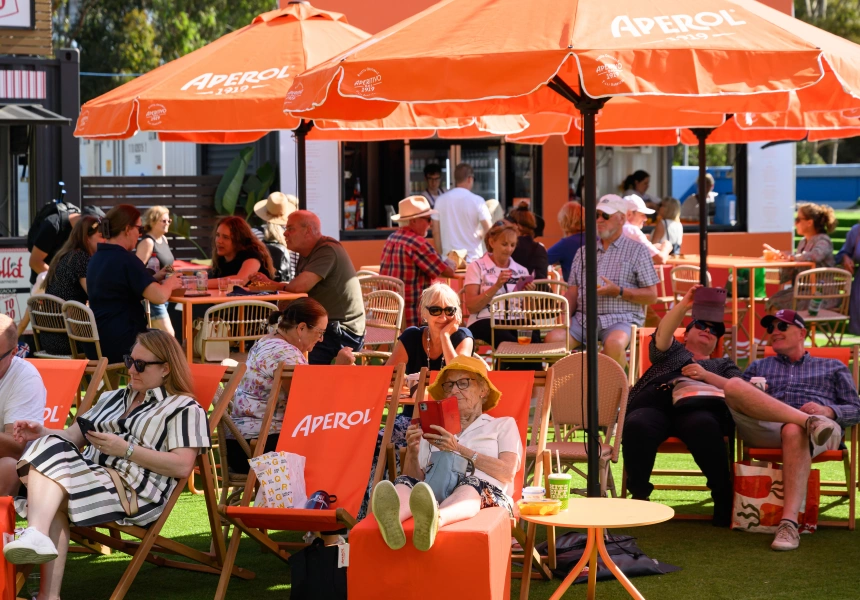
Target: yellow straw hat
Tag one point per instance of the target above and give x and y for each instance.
(473, 365)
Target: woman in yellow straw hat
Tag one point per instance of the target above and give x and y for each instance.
(493, 445)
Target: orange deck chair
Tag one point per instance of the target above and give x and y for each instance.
(332, 418)
(849, 357)
(152, 546)
(62, 379)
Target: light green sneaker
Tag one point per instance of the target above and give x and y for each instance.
(385, 505)
(425, 513)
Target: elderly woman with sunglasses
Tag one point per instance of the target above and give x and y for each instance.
(492, 444)
(119, 462)
(652, 417)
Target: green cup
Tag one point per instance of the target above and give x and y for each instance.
(559, 488)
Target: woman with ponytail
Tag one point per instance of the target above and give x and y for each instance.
(299, 327)
(118, 282)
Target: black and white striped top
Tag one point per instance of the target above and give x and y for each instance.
(162, 422)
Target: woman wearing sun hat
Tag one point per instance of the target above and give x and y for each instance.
(274, 211)
(493, 445)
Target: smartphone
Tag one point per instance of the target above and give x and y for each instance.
(522, 282)
(85, 425)
(444, 413)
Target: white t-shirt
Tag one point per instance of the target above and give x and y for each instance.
(637, 235)
(484, 273)
(460, 213)
(486, 436)
(22, 393)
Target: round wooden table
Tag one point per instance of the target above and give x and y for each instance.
(595, 514)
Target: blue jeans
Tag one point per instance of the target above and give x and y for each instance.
(335, 338)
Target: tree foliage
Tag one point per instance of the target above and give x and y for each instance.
(136, 36)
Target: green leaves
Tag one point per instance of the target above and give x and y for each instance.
(257, 187)
(230, 186)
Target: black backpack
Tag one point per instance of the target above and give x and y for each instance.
(63, 209)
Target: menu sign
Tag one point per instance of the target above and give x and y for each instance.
(14, 281)
(17, 14)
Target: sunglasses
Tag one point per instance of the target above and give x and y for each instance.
(603, 215)
(435, 311)
(782, 326)
(8, 352)
(138, 364)
(702, 326)
(462, 384)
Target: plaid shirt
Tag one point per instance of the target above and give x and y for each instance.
(824, 381)
(412, 259)
(625, 263)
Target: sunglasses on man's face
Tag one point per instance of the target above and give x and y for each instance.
(702, 326)
(603, 215)
(435, 311)
(138, 364)
(782, 326)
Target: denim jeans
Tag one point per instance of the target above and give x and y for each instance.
(335, 338)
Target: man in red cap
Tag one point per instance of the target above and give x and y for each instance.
(809, 401)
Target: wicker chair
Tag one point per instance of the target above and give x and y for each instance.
(551, 286)
(366, 273)
(532, 311)
(828, 284)
(81, 327)
(384, 315)
(376, 283)
(46, 316)
(240, 321)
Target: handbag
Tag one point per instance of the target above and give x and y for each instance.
(759, 499)
(446, 471)
(690, 394)
(216, 351)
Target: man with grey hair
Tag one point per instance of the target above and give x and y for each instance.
(22, 398)
(325, 273)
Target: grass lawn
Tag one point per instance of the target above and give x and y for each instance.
(717, 563)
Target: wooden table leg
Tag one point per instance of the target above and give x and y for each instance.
(589, 555)
(529, 549)
(752, 314)
(613, 568)
(187, 322)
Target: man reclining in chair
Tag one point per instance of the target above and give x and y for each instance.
(808, 402)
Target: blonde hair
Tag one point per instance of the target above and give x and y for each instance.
(570, 218)
(671, 209)
(273, 233)
(152, 216)
(165, 347)
(498, 230)
(440, 294)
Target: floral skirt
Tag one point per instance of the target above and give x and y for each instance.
(490, 494)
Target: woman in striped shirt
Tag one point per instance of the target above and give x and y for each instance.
(119, 462)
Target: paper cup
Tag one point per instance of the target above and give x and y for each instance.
(559, 488)
(759, 382)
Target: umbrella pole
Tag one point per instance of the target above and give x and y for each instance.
(702, 135)
(301, 159)
(589, 107)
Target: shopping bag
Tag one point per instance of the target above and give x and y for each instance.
(216, 351)
(282, 480)
(759, 499)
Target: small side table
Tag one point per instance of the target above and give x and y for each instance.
(595, 514)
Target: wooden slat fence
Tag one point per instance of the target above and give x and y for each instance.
(192, 197)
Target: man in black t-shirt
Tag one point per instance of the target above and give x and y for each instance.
(53, 233)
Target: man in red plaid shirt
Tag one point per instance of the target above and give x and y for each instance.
(409, 256)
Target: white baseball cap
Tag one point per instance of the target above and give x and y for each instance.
(635, 203)
(611, 204)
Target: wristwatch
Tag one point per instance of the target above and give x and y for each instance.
(621, 293)
(129, 451)
(474, 456)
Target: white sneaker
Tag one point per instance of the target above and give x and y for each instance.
(31, 548)
(786, 538)
(820, 429)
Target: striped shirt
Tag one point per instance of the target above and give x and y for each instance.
(625, 263)
(825, 381)
(162, 422)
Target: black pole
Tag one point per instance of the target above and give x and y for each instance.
(702, 136)
(589, 108)
(301, 160)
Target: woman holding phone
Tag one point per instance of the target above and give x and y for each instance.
(493, 274)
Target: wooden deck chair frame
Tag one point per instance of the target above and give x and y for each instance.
(384, 320)
(81, 327)
(46, 316)
(850, 357)
(674, 445)
(828, 284)
(152, 544)
(529, 311)
(247, 321)
(344, 519)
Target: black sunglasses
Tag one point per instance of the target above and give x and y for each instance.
(139, 365)
(435, 311)
(603, 215)
(703, 326)
(8, 352)
(782, 326)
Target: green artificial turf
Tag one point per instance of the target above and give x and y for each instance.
(717, 563)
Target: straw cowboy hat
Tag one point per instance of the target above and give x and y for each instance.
(276, 208)
(473, 365)
(413, 207)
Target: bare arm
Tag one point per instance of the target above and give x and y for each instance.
(176, 463)
(673, 319)
(28, 431)
(37, 260)
(302, 283)
(572, 295)
(659, 232)
(486, 225)
(398, 355)
(411, 468)
(159, 293)
(83, 282)
(144, 249)
(9, 447)
(437, 235)
(644, 296)
(503, 468)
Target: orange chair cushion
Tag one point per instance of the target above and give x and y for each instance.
(470, 559)
(775, 455)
